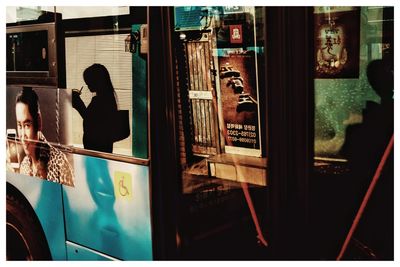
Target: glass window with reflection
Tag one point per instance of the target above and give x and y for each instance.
(100, 71)
(219, 59)
(353, 128)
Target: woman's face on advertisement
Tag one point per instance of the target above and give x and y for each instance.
(26, 130)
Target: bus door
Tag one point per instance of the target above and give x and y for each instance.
(249, 200)
(353, 127)
(216, 58)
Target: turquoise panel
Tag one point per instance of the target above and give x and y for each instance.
(45, 199)
(108, 210)
(79, 253)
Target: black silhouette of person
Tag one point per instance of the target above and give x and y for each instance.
(99, 114)
(364, 147)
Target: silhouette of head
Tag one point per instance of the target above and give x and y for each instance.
(380, 77)
(46, 17)
(98, 79)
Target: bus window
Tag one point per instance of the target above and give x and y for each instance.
(24, 14)
(106, 86)
(222, 149)
(96, 68)
(353, 119)
(106, 54)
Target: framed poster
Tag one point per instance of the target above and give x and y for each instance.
(337, 42)
(239, 101)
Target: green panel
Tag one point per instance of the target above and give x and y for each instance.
(139, 102)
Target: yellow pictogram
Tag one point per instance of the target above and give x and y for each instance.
(123, 185)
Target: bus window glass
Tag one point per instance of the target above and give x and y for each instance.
(29, 13)
(27, 51)
(109, 51)
(72, 12)
(100, 72)
(222, 142)
(341, 85)
(353, 126)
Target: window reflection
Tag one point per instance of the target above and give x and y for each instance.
(339, 100)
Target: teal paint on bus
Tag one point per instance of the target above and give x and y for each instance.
(108, 210)
(45, 199)
(76, 252)
(139, 102)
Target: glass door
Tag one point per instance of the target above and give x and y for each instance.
(222, 165)
(353, 73)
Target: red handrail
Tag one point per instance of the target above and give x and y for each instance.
(366, 198)
(249, 201)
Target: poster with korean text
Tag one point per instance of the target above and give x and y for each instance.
(337, 42)
(238, 81)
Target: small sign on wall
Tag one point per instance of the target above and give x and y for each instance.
(236, 35)
(123, 185)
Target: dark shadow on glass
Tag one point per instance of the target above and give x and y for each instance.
(103, 124)
(364, 146)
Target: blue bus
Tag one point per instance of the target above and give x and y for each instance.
(198, 133)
